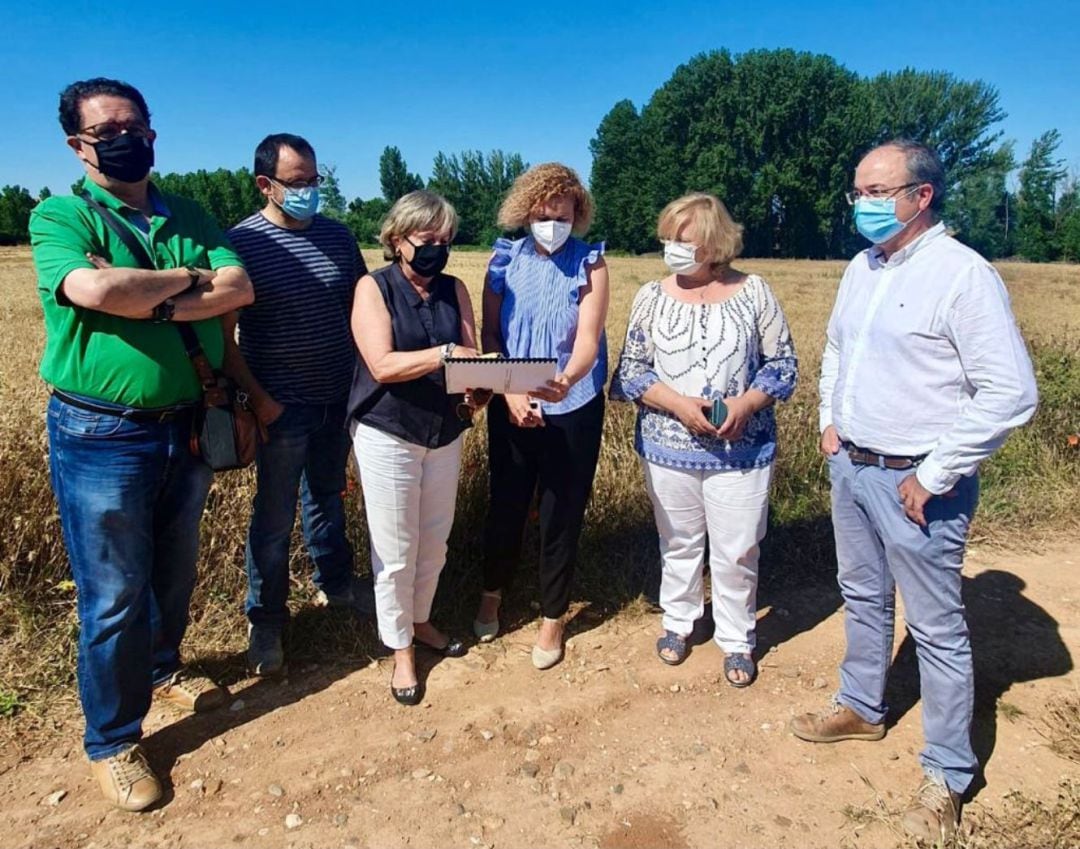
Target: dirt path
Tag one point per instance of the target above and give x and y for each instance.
(610, 749)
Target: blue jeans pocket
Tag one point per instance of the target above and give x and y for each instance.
(90, 425)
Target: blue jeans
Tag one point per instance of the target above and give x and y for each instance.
(307, 451)
(878, 551)
(130, 496)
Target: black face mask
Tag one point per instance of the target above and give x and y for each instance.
(429, 260)
(126, 158)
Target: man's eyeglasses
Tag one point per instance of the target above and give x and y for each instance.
(109, 130)
(877, 194)
(313, 183)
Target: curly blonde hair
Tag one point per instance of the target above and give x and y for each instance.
(717, 233)
(536, 187)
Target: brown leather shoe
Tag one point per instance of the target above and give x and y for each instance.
(191, 692)
(934, 814)
(126, 779)
(837, 722)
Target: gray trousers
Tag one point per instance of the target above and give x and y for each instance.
(878, 550)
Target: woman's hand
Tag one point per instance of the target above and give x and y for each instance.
(555, 390)
(691, 412)
(463, 352)
(477, 399)
(522, 412)
(740, 411)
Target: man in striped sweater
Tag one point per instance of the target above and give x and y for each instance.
(295, 358)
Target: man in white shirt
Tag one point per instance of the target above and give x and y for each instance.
(924, 375)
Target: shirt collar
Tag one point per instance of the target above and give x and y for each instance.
(111, 201)
(905, 253)
(411, 295)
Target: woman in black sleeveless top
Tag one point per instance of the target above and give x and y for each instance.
(407, 319)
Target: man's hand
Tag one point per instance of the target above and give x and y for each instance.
(830, 441)
(914, 496)
(267, 410)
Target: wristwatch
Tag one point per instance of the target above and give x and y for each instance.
(448, 350)
(164, 311)
(195, 277)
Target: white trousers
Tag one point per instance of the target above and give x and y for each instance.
(729, 508)
(409, 494)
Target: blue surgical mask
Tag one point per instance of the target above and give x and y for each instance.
(300, 204)
(876, 219)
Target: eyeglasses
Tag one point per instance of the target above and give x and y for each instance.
(313, 183)
(109, 130)
(878, 194)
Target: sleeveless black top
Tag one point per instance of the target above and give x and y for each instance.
(418, 411)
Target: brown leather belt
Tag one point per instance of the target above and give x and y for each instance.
(862, 457)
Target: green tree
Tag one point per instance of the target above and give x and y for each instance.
(331, 200)
(475, 184)
(45, 192)
(777, 135)
(394, 177)
(1040, 174)
(954, 117)
(1068, 221)
(977, 207)
(364, 218)
(623, 208)
(16, 203)
(229, 196)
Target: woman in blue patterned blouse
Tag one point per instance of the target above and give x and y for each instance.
(545, 295)
(706, 332)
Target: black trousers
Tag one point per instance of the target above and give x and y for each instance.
(559, 458)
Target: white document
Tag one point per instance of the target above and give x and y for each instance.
(513, 375)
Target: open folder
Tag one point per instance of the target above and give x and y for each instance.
(514, 375)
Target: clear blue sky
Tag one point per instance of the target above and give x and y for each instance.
(531, 77)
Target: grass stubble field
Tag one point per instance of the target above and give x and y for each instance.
(1029, 499)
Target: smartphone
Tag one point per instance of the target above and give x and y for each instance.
(719, 412)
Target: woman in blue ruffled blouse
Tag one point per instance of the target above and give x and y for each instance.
(706, 332)
(545, 295)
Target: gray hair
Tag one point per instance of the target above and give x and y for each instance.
(924, 166)
(419, 210)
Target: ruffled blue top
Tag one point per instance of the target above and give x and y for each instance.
(540, 302)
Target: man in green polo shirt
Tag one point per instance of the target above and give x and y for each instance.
(129, 490)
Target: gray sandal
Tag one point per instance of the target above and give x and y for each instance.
(740, 663)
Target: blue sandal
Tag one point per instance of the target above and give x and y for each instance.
(740, 663)
(674, 643)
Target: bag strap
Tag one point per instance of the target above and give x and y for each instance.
(192, 347)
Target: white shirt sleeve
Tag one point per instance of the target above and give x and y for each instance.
(996, 365)
(830, 362)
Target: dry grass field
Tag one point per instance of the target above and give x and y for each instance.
(1028, 501)
(1029, 490)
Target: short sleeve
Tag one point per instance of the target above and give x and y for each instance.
(497, 265)
(591, 258)
(60, 240)
(219, 252)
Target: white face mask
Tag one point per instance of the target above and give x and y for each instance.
(679, 257)
(550, 235)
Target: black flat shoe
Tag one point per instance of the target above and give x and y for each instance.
(407, 695)
(453, 648)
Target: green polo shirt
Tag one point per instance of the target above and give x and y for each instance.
(126, 361)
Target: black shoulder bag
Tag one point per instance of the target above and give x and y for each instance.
(225, 431)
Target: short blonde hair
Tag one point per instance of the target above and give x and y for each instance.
(416, 211)
(536, 187)
(716, 232)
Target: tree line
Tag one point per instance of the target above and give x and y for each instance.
(775, 133)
